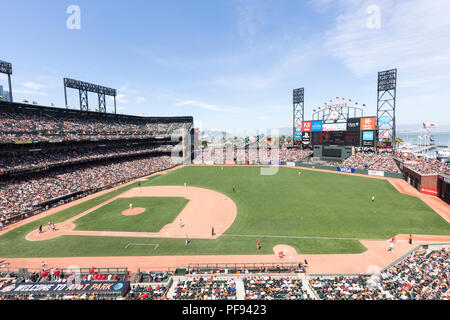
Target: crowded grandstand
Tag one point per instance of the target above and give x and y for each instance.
(49, 156)
(423, 274)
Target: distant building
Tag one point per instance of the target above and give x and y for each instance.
(4, 95)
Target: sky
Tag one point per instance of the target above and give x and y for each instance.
(233, 64)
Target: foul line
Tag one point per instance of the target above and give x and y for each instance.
(142, 244)
(301, 237)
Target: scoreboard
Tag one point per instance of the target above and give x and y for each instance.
(356, 132)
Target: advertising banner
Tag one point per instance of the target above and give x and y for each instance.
(291, 164)
(367, 124)
(368, 143)
(431, 191)
(385, 133)
(384, 120)
(306, 138)
(367, 135)
(316, 126)
(276, 163)
(306, 126)
(376, 173)
(297, 136)
(353, 125)
(119, 287)
(334, 126)
(343, 169)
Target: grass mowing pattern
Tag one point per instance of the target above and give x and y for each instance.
(314, 204)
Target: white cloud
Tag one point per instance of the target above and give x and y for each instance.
(249, 17)
(292, 64)
(120, 98)
(413, 37)
(208, 106)
(140, 99)
(30, 92)
(32, 85)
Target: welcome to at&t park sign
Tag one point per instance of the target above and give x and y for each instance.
(118, 287)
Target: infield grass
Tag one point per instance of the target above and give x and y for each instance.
(158, 212)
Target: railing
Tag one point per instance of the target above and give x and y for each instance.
(243, 268)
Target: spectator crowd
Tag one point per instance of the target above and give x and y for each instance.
(263, 154)
(25, 126)
(46, 158)
(272, 288)
(425, 166)
(372, 161)
(23, 193)
(423, 275)
(345, 288)
(205, 288)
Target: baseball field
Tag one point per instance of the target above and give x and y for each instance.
(314, 212)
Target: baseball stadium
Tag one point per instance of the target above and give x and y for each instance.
(99, 204)
(93, 196)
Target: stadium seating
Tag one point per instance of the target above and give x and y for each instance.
(422, 275)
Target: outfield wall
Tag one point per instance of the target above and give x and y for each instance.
(316, 166)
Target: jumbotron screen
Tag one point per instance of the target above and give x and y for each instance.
(338, 138)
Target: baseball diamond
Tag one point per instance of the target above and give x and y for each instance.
(240, 150)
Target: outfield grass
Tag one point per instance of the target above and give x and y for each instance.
(158, 212)
(277, 209)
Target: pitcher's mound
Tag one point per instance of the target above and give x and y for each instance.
(133, 212)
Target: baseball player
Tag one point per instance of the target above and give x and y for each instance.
(186, 240)
(131, 206)
(181, 223)
(392, 243)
